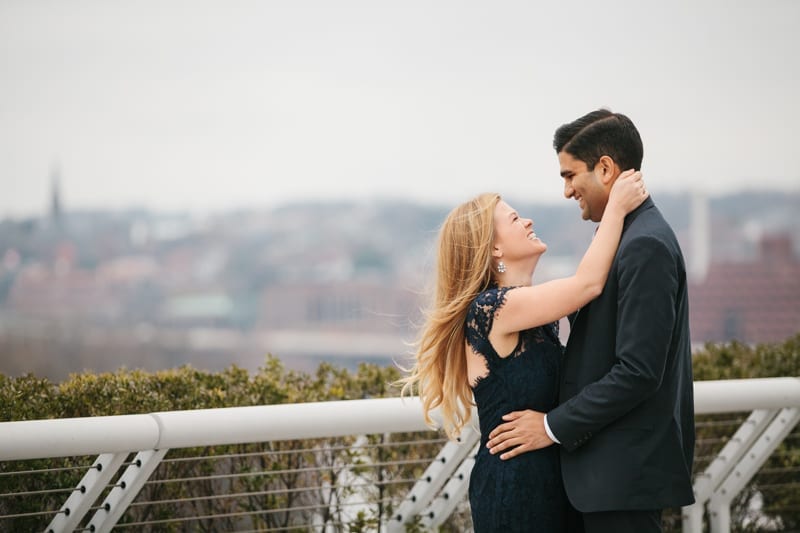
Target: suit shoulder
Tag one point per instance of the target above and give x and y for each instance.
(651, 223)
(650, 236)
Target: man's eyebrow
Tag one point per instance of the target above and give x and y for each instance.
(566, 173)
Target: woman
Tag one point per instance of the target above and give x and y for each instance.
(491, 340)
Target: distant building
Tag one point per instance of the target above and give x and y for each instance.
(700, 256)
(342, 306)
(343, 320)
(208, 307)
(55, 197)
(752, 302)
(61, 291)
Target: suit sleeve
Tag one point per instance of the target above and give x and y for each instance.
(648, 284)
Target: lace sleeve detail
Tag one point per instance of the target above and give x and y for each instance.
(480, 317)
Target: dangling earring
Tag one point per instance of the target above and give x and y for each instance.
(501, 267)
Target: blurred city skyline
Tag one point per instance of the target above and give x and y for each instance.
(100, 290)
(209, 106)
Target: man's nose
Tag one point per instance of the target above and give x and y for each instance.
(568, 190)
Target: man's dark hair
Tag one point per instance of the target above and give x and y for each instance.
(601, 133)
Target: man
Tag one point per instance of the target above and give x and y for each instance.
(625, 420)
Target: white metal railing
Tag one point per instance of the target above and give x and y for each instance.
(774, 404)
(35, 439)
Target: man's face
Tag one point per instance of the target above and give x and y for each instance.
(584, 186)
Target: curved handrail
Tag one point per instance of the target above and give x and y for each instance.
(33, 439)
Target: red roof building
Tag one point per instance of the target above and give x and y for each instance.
(752, 302)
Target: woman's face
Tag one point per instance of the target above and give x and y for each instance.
(514, 236)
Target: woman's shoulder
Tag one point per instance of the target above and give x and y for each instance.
(485, 296)
(492, 296)
(488, 302)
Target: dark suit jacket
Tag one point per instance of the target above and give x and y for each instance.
(626, 413)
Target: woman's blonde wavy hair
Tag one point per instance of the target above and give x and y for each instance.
(463, 270)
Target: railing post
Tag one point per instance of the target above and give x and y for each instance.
(748, 466)
(128, 486)
(452, 454)
(692, 517)
(707, 482)
(451, 494)
(720, 518)
(88, 490)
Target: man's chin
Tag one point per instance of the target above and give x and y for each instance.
(586, 215)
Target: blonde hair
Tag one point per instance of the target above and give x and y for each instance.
(464, 270)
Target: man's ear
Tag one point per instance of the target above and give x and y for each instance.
(607, 170)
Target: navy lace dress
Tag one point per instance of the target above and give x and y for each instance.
(524, 493)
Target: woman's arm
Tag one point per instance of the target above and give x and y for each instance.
(527, 307)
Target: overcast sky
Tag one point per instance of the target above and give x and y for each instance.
(206, 105)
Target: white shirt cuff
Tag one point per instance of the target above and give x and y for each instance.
(550, 433)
